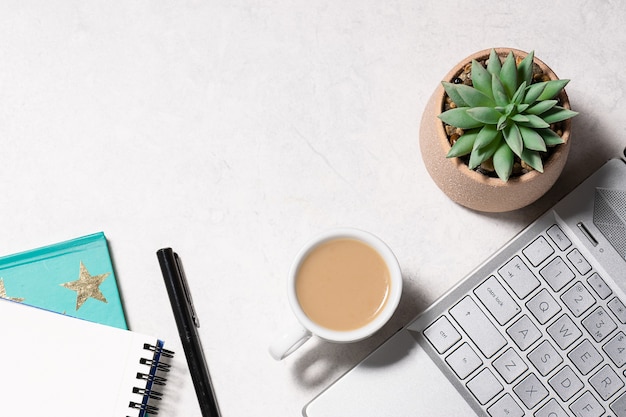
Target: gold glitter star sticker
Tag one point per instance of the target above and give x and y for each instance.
(86, 286)
(3, 293)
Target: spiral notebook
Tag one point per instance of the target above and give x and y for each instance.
(58, 365)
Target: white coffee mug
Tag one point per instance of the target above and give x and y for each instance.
(294, 337)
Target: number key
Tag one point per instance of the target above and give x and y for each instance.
(557, 274)
(578, 299)
(616, 349)
(599, 324)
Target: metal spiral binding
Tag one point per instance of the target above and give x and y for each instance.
(164, 367)
(151, 379)
(144, 408)
(164, 352)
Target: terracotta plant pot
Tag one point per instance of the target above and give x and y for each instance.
(473, 189)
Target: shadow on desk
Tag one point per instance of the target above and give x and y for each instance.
(317, 365)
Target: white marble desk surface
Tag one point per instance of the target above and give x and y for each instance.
(235, 130)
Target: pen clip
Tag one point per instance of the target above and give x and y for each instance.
(183, 279)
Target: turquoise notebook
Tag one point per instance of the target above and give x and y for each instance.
(75, 278)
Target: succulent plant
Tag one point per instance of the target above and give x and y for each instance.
(504, 114)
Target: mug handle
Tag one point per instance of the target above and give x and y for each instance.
(289, 341)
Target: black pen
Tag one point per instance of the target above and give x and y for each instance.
(187, 323)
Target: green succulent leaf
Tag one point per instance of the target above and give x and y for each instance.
(535, 122)
(533, 159)
(520, 118)
(479, 156)
(533, 92)
(550, 137)
(453, 93)
(503, 122)
(503, 160)
(513, 138)
(486, 135)
(532, 139)
(541, 106)
(508, 75)
(485, 115)
(521, 108)
(518, 97)
(552, 89)
(463, 145)
(481, 79)
(473, 97)
(557, 114)
(499, 92)
(459, 118)
(525, 68)
(494, 66)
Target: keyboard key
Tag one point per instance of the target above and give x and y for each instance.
(557, 274)
(564, 332)
(585, 357)
(579, 262)
(442, 334)
(578, 299)
(565, 383)
(530, 391)
(559, 238)
(587, 406)
(484, 386)
(618, 308)
(606, 382)
(545, 358)
(551, 409)
(478, 326)
(616, 349)
(505, 407)
(497, 300)
(517, 276)
(599, 286)
(543, 306)
(524, 333)
(464, 361)
(510, 366)
(538, 251)
(619, 406)
(599, 324)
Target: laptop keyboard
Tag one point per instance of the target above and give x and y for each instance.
(543, 335)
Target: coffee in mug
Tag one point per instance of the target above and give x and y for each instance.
(343, 286)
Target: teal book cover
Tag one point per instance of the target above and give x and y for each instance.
(75, 278)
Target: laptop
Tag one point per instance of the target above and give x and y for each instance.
(539, 329)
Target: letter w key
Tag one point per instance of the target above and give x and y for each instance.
(564, 332)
